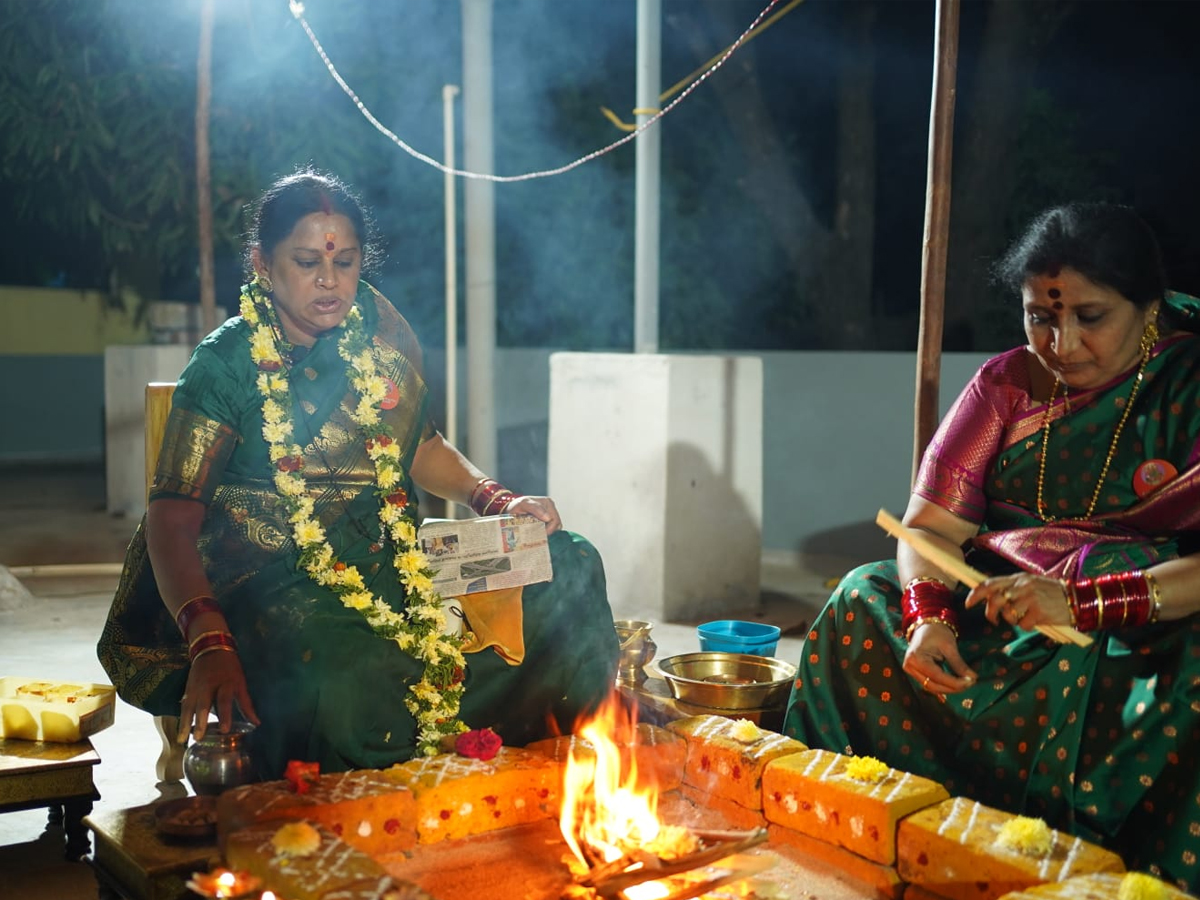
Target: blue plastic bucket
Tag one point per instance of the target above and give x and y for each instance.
(737, 636)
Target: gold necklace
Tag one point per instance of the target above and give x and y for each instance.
(1112, 447)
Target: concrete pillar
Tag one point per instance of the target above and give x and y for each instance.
(127, 371)
(657, 459)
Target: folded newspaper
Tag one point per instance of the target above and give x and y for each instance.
(485, 554)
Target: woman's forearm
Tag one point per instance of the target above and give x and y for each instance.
(1179, 587)
(172, 529)
(441, 469)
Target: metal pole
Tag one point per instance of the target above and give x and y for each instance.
(937, 226)
(646, 178)
(479, 207)
(208, 301)
(449, 92)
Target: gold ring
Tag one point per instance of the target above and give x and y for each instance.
(925, 683)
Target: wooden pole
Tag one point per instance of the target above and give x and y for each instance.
(208, 301)
(937, 222)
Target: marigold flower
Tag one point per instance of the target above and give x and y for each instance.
(296, 839)
(1032, 837)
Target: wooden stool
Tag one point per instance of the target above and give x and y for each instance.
(133, 861)
(58, 776)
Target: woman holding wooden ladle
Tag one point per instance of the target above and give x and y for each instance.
(1068, 471)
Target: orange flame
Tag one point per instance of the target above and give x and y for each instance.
(608, 812)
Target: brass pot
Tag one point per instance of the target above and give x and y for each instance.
(637, 649)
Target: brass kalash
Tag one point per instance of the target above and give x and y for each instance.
(620, 846)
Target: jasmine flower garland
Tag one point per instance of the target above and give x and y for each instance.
(435, 700)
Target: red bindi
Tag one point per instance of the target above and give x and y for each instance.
(1058, 305)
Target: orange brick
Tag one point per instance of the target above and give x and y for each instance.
(951, 849)
(459, 797)
(723, 764)
(364, 808)
(810, 792)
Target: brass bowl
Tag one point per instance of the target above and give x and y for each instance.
(728, 680)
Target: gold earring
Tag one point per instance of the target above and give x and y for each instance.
(264, 282)
(1149, 336)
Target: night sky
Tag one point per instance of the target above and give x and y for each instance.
(1120, 80)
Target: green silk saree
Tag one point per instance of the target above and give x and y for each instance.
(325, 686)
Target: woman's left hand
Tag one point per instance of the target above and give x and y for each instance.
(1024, 599)
(542, 508)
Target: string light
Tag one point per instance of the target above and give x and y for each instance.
(297, 10)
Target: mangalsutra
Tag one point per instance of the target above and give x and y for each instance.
(1112, 447)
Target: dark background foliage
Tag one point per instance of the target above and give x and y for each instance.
(793, 180)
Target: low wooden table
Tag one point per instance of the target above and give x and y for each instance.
(133, 861)
(59, 776)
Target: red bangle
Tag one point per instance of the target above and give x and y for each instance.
(927, 600)
(197, 606)
(490, 497)
(496, 504)
(211, 641)
(1114, 600)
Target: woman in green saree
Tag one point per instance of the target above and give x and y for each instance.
(277, 571)
(1069, 471)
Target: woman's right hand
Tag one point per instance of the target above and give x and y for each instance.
(932, 648)
(215, 681)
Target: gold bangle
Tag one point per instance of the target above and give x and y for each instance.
(926, 620)
(926, 579)
(1155, 596)
(1099, 604)
(211, 649)
(1070, 601)
(1124, 603)
(192, 642)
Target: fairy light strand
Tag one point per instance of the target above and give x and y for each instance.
(297, 9)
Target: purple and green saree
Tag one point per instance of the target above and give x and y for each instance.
(1100, 741)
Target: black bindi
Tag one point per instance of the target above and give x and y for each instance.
(1058, 305)
(1054, 293)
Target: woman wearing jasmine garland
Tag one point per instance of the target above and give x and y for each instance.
(278, 571)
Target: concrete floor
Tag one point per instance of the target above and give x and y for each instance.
(55, 516)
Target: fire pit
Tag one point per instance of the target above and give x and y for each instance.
(645, 813)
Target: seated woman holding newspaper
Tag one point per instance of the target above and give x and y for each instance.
(278, 569)
(1069, 471)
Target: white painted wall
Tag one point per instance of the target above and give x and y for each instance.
(657, 459)
(836, 445)
(836, 440)
(127, 371)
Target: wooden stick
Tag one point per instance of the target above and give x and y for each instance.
(969, 576)
(740, 868)
(611, 886)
